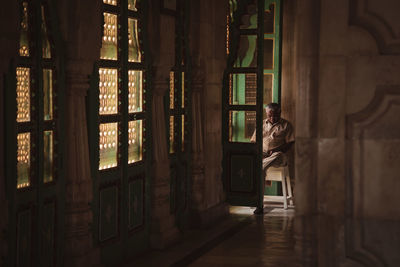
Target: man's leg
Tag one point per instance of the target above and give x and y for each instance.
(277, 158)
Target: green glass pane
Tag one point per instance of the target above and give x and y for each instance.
(249, 19)
(132, 5)
(243, 88)
(242, 125)
(171, 134)
(109, 45)
(48, 94)
(135, 142)
(268, 88)
(23, 159)
(268, 53)
(23, 38)
(23, 95)
(232, 8)
(269, 19)
(247, 52)
(133, 40)
(48, 156)
(46, 50)
(108, 91)
(135, 85)
(108, 145)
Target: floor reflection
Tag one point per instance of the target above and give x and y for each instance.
(267, 241)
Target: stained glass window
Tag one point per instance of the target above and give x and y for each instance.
(121, 87)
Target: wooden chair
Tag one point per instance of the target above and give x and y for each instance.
(281, 174)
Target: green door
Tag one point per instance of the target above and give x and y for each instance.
(247, 88)
(119, 125)
(34, 142)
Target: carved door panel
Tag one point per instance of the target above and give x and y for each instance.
(119, 125)
(251, 80)
(34, 142)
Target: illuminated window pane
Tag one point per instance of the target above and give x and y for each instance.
(108, 145)
(135, 90)
(23, 159)
(171, 134)
(269, 20)
(268, 88)
(23, 38)
(108, 91)
(110, 2)
(247, 52)
(135, 143)
(132, 5)
(183, 133)
(23, 95)
(109, 48)
(48, 94)
(46, 51)
(243, 88)
(48, 156)
(242, 125)
(183, 90)
(171, 89)
(268, 53)
(133, 39)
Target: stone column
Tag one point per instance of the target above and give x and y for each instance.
(163, 229)
(79, 250)
(198, 179)
(306, 152)
(80, 26)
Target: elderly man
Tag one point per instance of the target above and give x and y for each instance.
(278, 138)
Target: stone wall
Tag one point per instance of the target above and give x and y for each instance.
(348, 88)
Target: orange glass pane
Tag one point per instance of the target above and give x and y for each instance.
(110, 2)
(23, 159)
(23, 95)
(135, 141)
(109, 46)
(171, 134)
(23, 38)
(135, 95)
(132, 5)
(171, 90)
(135, 54)
(108, 145)
(108, 91)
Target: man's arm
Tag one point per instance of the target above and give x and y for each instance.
(282, 148)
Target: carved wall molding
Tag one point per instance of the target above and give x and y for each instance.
(386, 37)
(358, 129)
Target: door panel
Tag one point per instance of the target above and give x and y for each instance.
(34, 141)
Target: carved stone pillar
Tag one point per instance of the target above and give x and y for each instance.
(198, 179)
(79, 249)
(307, 21)
(163, 229)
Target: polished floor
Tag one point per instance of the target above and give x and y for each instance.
(266, 241)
